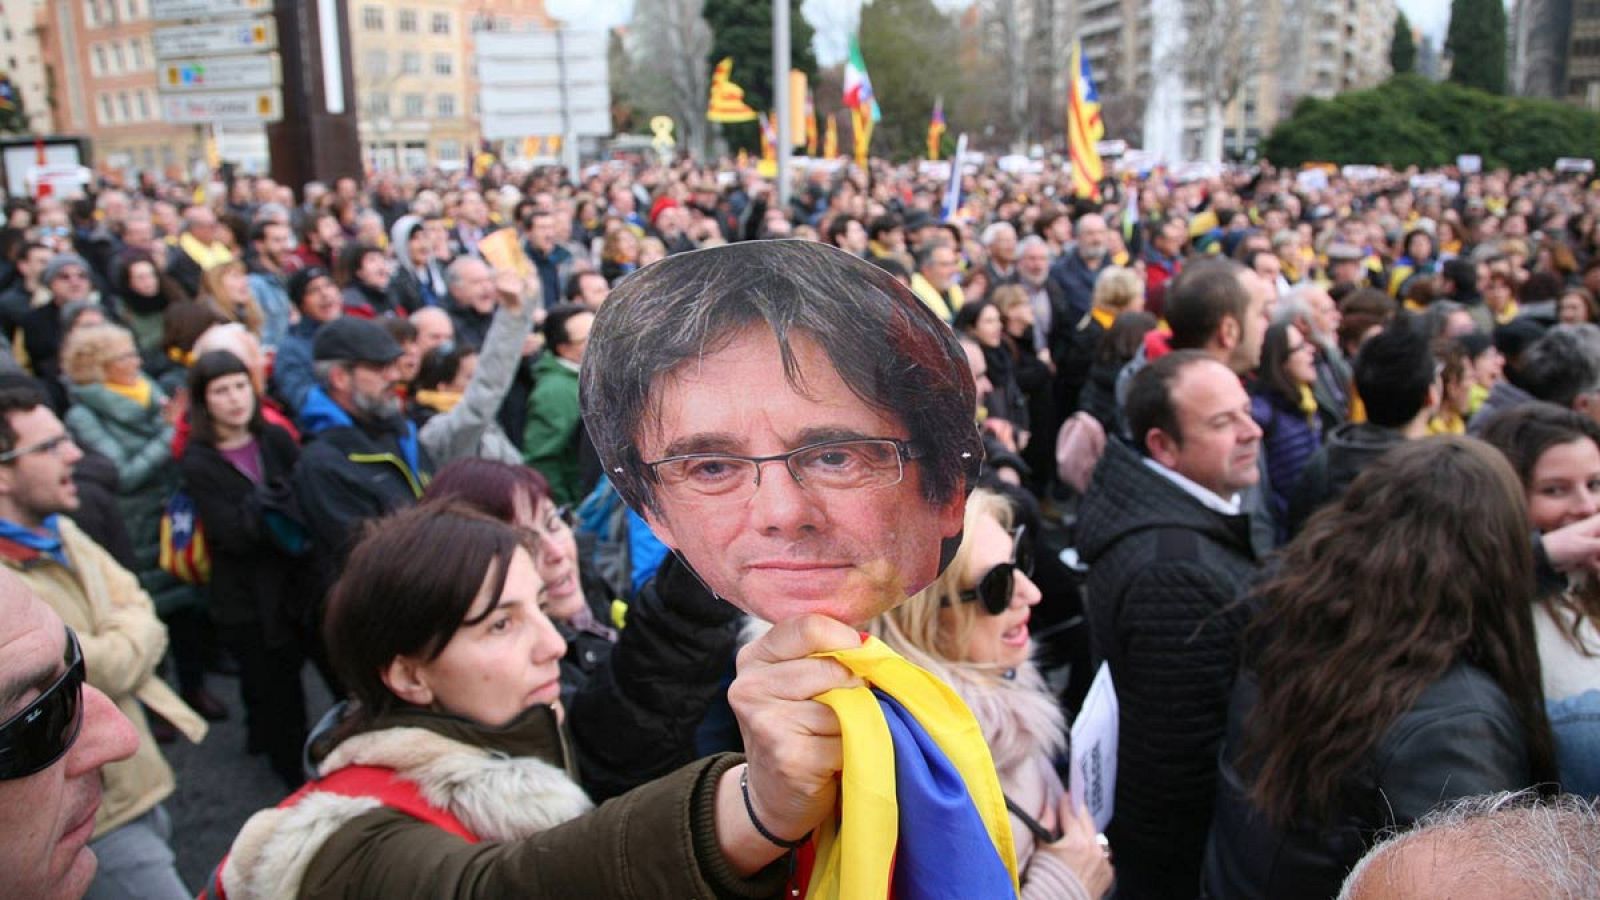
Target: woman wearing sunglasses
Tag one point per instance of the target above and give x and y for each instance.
(970, 629)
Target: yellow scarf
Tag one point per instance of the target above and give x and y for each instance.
(443, 401)
(138, 393)
(856, 853)
(206, 255)
(1308, 402)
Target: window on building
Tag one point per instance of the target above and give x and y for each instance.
(376, 64)
(378, 104)
(8, 33)
(445, 105)
(124, 108)
(144, 106)
(413, 104)
(138, 55)
(105, 110)
(444, 64)
(449, 151)
(406, 21)
(131, 8)
(97, 60)
(372, 18)
(410, 63)
(91, 13)
(440, 23)
(117, 56)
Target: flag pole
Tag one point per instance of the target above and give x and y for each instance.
(780, 84)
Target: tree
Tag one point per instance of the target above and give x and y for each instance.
(667, 45)
(1410, 121)
(1220, 56)
(911, 50)
(1402, 47)
(1476, 44)
(742, 29)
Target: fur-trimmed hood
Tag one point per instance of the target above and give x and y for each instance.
(497, 797)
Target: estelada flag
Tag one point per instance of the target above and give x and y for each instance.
(727, 99)
(936, 128)
(1084, 128)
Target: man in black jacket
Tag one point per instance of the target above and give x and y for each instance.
(362, 459)
(1169, 553)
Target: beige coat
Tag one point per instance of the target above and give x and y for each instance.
(122, 642)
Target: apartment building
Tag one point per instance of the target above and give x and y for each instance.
(413, 61)
(102, 77)
(22, 59)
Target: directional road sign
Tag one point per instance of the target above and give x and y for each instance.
(223, 106)
(219, 73)
(215, 38)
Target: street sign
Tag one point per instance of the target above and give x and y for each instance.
(178, 10)
(543, 82)
(214, 38)
(219, 73)
(223, 106)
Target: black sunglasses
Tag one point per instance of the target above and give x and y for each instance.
(33, 739)
(996, 585)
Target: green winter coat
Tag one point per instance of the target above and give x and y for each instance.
(138, 441)
(550, 440)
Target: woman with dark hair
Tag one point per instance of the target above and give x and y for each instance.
(143, 293)
(1556, 452)
(1391, 667)
(982, 323)
(1117, 346)
(1417, 258)
(448, 771)
(1282, 404)
(1576, 306)
(363, 275)
(236, 467)
(577, 601)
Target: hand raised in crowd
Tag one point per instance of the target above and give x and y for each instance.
(1575, 547)
(1080, 847)
(792, 742)
(513, 290)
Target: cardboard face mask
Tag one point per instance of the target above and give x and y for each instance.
(790, 420)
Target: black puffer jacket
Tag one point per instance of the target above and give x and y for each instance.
(1166, 575)
(634, 719)
(1460, 738)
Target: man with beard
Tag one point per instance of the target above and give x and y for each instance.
(362, 459)
(1077, 269)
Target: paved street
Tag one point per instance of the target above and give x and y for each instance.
(219, 785)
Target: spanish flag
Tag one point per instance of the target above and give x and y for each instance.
(936, 129)
(921, 811)
(727, 99)
(1084, 128)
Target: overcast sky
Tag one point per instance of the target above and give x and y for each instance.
(1432, 16)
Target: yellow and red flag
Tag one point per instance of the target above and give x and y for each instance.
(936, 129)
(811, 124)
(830, 139)
(1084, 128)
(727, 99)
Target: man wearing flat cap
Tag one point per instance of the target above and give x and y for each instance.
(362, 459)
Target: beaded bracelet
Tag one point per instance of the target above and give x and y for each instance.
(744, 788)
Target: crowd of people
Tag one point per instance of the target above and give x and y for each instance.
(1312, 465)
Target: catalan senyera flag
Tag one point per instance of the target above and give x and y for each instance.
(936, 129)
(811, 124)
(1084, 127)
(861, 126)
(727, 99)
(830, 139)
